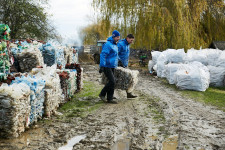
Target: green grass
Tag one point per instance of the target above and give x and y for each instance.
(82, 103)
(212, 96)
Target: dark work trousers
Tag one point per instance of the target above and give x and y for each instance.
(109, 87)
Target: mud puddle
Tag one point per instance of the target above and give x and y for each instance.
(72, 142)
(123, 142)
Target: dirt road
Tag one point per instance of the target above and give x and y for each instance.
(159, 119)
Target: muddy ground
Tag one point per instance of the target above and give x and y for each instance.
(159, 119)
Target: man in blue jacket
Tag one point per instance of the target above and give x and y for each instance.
(108, 62)
(124, 53)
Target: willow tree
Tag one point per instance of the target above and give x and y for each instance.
(161, 24)
(98, 30)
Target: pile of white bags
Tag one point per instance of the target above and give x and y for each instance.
(168, 62)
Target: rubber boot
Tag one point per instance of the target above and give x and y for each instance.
(130, 95)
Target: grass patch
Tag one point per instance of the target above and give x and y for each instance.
(214, 96)
(82, 103)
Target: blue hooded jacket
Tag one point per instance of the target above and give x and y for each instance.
(109, 54)
(124, 52)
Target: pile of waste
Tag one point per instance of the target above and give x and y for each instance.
(194, 70)
(34, 81)
(125, 79)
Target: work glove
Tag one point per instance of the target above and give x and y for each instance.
(101, 69)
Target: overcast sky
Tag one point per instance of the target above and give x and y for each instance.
(70, 15)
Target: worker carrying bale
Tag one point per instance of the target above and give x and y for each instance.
(108, 63)
(124, 53)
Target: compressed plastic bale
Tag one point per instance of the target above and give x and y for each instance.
(60, 58)
(14, 109)
(73, 81)
(29, 59)
(68, 53)
(193, 76)
(125, 79)
(196, 55)
(170, 71)
(75, 57)
(53, 91)
(49, 54)
(79, 71)
(4, 61)
(36, 96)
(4, 31)
(65, 85)
(217, 75)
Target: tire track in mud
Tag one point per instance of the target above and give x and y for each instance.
(121, 126)
(198, 126)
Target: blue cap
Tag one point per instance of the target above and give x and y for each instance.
(115, 33)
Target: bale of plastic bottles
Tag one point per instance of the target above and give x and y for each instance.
(68, 55)
(65, 85)
(29, 59)
(4, 61)
(79, 70)
(37, 96)
(14, 109)
(73, 82)
(49, 54)
(53, 91)
(125, 79)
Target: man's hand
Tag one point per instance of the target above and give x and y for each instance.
(101, 69)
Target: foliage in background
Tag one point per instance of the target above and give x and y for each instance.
(99, 30)
(27, 19)
(161, 24)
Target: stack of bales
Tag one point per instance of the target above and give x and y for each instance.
(72, 80)
(125, 79)
(49, 54)
(36, 96)
(68, 53)
(60, 58)
(4, 61)
(29, 59)
(79, 70)
(14, 109)
(65, 85)
(53, 91)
